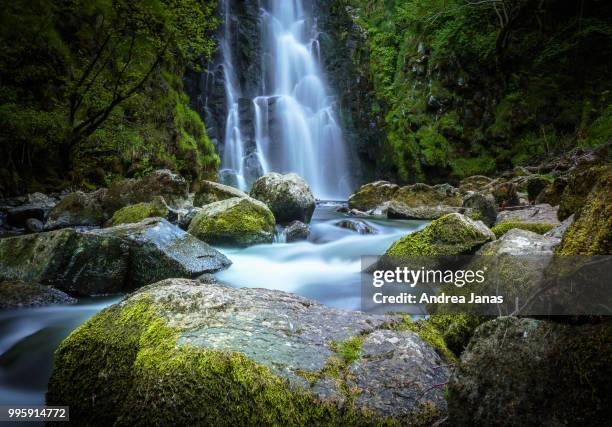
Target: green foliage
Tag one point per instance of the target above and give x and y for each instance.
(505, 226)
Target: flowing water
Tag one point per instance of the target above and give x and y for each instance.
(324, 268)
(295, 126)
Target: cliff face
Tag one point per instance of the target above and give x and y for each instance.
(440, 90)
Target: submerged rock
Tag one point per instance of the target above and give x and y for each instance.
(78, 209)
(243, 357)
(210, 192)
(234, 222)
(371, 195)
(525, 372)
(19, 295)
(357, 226)
(288, 196)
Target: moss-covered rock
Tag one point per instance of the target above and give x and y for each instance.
(237, 221)
(504, 226)
(506, 194)
(453, 234)
(582, 179)
(481, 207)
(371, 195)
(210, 192)
(78, 209)
(591, 231)
(20, 294)
(186, 353)
(477, 183)
(136, 213)
(288, 196)
(520, 372)
(421, 201)
(552, 193)
(535, 184)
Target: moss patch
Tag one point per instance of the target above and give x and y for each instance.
(505, 226)
(140, 211)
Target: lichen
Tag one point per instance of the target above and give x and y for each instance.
(505, 226)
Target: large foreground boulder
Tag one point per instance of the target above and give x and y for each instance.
(181, 352)
(372, 195)
(453, 234)
(288, 196)
(20, 295)
(210, 192)
(109, 260)
(526, 372)
(234, 222)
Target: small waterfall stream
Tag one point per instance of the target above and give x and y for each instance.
(294, 124)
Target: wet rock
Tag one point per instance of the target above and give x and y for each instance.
(296, 231)
(266, 352)
(524, 372)
(78, 209)
(36, 206)
(235, 222)
(210, 192)
(140, 211)
(541, 214)
(481, 206)
(371, 195)
(357, 226)
(21, 295)
(185, 217)
(34, 225)
(288, 196)
(559, 231)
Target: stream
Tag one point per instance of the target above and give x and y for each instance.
(325, 268)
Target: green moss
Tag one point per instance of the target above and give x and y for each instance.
(124, 367)
(504, 226)
(138, 212)
(430, 334)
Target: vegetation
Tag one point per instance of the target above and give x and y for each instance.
(92, 90)
(505, 226)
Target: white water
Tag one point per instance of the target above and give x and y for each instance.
(307, 138)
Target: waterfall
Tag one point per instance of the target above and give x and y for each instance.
(294, 125)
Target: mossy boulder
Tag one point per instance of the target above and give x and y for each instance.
(524, 372)
(551, 194)
(182, 352)
(288, 196)
(453, 234)
(536, 227)
(78, 209)
(210, 192)
(535, 184)
(582, 179)
(234, 222)
(15, 294)
(478, 183)
(591, 231)
(372, 195)
(480, 206)
(421, 201)
(136, 213)
(506, 194)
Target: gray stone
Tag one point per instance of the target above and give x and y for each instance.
(34, 225)
(357, 226)
(78, 209)
(21, 295)
(210, 192)
(296, 231)
(288, 196)
(560, 230)
(542, 214)
(398, 210)
(482, 206)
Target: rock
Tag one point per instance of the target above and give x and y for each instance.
(478, 183)
(210, 192)
(535, 184)
(371, 195)
(106, 261)
(186, 216)
(421, 201)
(357, 226)
(172, 187)
(542, 214)
(505, 194)
(591, 231)
(559, 231)
(296, 231)
(524, 372)
(520, 242)
(243, 356)
(356, 212)
(78, 209)
(136, 213)
(235, 222)
(36, 206)
(20, 295)
(481, 207)
(582, 178)
(453, 234)
(536, 227)
(551, 194)
(34, 225)
(288, 196)
(159, 250)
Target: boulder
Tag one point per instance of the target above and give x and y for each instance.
(109, 260)
(421, 201)
(371, 195)
(536, 184)
(234, 222)
(505, 194)
(20, 295)
(559, 231)
(136, 213)
(526, 372)
(481, 207)
(78, 209)
(520, 242)
(357, 226)
(296, 231)
(478, 183)
(186, 216)
(288, 196)
(34, 225)
(552, 193)
(182, 352)
(540, 214)
(398, 210)
(210, 192)
(35, 205)
(453, 234)
(582, 178)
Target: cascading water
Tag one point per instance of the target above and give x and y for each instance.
(295, 128)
